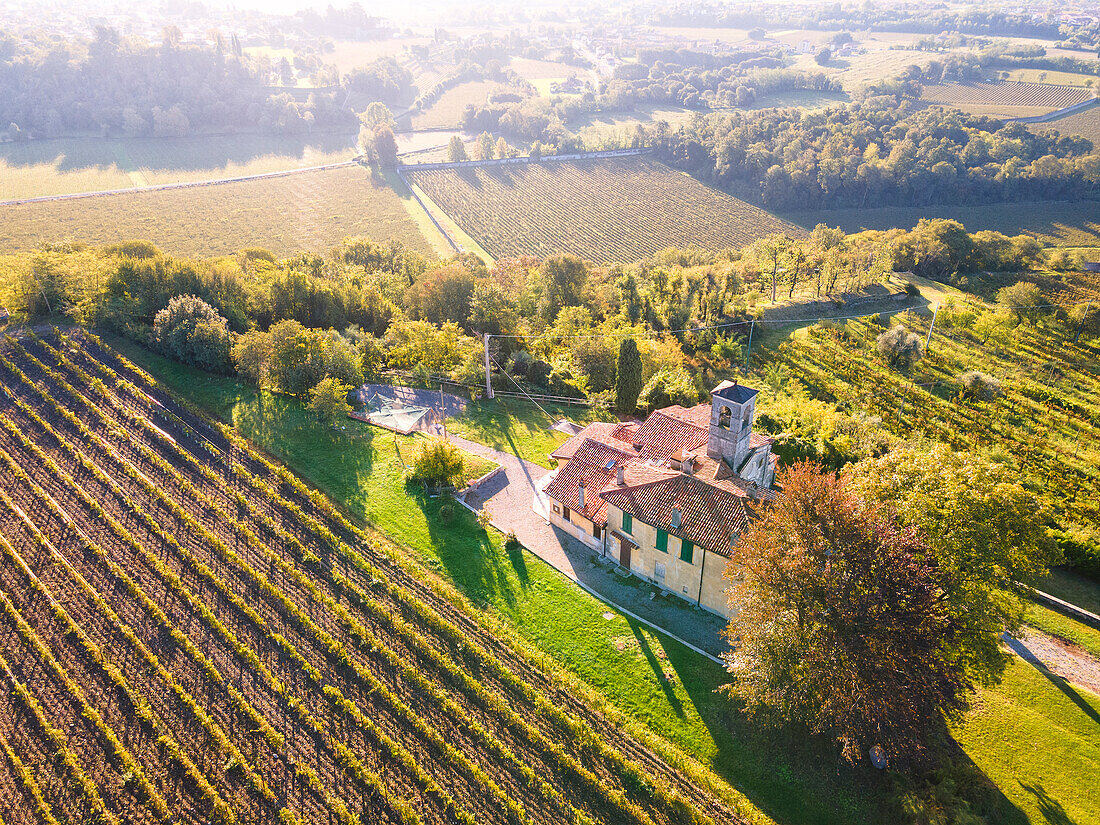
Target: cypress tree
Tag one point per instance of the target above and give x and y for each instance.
(628, 378)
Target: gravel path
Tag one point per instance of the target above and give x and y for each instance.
(1054, 656)
(515, 501)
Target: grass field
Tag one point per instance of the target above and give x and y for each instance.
(1086, 124)
(308, 211)
(1059, 223)
(544, 69)
(612, 209)
(351, 54)
(1007, 735)
(69, 165)
(446, 113)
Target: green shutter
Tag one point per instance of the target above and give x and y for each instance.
(662, 541)
(686, 548)
(627, 523)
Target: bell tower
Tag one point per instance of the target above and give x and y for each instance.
(732, 407)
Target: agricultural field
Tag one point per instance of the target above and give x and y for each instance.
(533, 70)
(1008, 99)
(69, 165)
(610, 209)
(1058, 223)
(1043, 422)
(352, 54)
(1085, 124)
(306, 211)
(446, 113)
(194, 635)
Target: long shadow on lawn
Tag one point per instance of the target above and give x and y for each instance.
(798, 779)
(658, 668)
(481, 570)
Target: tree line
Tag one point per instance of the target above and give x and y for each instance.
(119, 86)
(883, 151)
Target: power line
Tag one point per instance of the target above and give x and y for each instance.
(730, 324)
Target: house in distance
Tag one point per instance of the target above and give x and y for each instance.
(668, 498)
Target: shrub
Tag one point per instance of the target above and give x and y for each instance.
(668, 387)
(438, 462)
(447, 513)
(979, 386)
(900, 348)
(192, 331)
(511, 542)
(329, 400)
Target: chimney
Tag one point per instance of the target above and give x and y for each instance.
(620, 475)
(675, 518)
(580, 496)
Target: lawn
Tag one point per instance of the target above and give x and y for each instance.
(654, 681)
(519, 427)
(303, 212)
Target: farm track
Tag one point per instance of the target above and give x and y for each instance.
(364, 682)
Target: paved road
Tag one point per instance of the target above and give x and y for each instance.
(515, 502)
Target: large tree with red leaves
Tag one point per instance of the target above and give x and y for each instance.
(841, 623)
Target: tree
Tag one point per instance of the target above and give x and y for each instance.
(839, 625)
(192, 331)
(561, 279)
(379, 145)
(329, 400)
(982, 529)
(823, 56)
(771, 251)
(456, 150)
(1024, 299)
(979, 386)
(485, 146)
(667, 387)
(899, 347)
(252, 355)
(503, 150)
(438, 462)
(628, 376)
(377, 115)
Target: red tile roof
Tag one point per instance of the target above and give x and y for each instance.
(614, 434)
(710, 515)
(661, 435)
(699, 415)
(594, 464)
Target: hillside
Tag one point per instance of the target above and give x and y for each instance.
(215, 639)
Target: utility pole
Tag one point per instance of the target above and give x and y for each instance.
(443, 411)
(1084, 318)
(488, 374)
(928, 340)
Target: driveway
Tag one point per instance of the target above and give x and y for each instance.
(516, 503)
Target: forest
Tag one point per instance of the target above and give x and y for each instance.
(881, 151)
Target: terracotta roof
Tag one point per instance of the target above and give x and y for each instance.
(699, 415)
(661, 435)
(607, 433)
(594, 464)
(758, 440)
(711, 516)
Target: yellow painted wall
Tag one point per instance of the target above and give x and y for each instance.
(680, 577)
